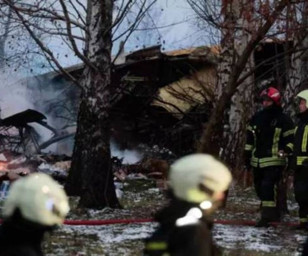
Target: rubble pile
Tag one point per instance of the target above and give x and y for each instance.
(148, 168)
(13, 166)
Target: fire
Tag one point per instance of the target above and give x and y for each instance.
(3, 166)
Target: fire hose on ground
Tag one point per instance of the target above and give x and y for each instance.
(133, 221)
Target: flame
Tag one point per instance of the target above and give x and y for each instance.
(3, 166)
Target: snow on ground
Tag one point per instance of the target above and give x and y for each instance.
(268, 240)
(115, 234)
(126, 239)
(141, 199)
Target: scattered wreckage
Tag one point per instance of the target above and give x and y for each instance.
(20, 154)
(17, 135)
(20, 148)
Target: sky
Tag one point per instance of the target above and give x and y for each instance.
(172, 24)
(182, 34)
(167, 12)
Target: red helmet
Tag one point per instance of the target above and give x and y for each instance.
(272, 94)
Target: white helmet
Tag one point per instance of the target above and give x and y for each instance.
(190, 174)
(303, 95)
(39, 198)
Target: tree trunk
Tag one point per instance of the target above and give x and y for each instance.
(215, 144)
(242, 101)
(236, 36)
(91, 174)
(296, 81)
(292, 64)
(211, 137)
(4, 37)
(304, 57)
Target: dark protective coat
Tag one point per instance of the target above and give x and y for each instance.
(192, 239)
(19, 237)
(300, 166)
(269, 132)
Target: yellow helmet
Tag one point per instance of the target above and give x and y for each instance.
(39, 198)
(189, 174)
(303, 95)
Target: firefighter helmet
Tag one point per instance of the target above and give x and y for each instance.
(39, 199)
(195, 178)
(303, 95)
(272, 94)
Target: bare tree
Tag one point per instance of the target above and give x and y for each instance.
(4, 35)
(238, 13)
(86, 28)
(17, 48)
(243, 25)
(296, 53)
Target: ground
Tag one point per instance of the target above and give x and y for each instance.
(141, 199)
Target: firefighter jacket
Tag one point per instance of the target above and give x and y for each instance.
(268, 132)
(19, 237)
(184, 240)
(301, 141)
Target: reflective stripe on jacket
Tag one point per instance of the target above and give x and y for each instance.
(268, 132)
(301, 140)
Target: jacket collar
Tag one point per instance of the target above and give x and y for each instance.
(303, 116)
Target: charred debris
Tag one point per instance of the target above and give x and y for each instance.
(161, 103)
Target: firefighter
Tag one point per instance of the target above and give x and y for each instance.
(34, 206)
(268, 143)
(301, 159)
(196, 185)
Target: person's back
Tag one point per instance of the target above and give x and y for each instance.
(180, 240)
(35, 205)
(18, 237)
(197, 183)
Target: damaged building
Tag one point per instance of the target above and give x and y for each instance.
(165, 98)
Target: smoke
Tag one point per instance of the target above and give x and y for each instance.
(13, 97)
(19, 94)
(128, 156)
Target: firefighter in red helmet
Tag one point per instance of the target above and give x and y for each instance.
(269, 139)
(271, 95)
